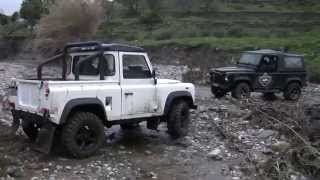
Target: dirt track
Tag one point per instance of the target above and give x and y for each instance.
(207, 153)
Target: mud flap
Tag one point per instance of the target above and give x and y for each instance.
(45, 138)
(16, 122)
(153, 123)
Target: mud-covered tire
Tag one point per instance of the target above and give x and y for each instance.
(83, 135)
(218, 93)
(241, 91)
(31, 129)
(179, 120)
(292, 92)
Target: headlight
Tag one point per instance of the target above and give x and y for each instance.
(226, 78)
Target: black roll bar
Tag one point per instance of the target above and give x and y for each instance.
(94, 44)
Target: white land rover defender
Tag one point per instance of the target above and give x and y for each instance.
(101, 85)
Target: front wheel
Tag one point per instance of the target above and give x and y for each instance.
(83, 135)
(218, 93)
(179, 120)
(292, 92)
(241, 91)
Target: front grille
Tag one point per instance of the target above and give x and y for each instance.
(217, 78)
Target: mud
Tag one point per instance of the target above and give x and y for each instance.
(223, 143)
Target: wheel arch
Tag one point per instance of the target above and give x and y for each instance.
(293, 80)
(178, 95)
(243, 80)
(93, 105)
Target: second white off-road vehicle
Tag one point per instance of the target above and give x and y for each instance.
(101, 85)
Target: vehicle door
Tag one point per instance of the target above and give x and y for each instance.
(267, 75)
(138, 87)
(109, 90)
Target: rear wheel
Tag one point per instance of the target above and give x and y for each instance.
(83, 135)
(292, 92)
(31, 129)
(241, 91)
(179, 120)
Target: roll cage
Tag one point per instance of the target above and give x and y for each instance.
(74, 47)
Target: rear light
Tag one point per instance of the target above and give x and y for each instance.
(44, 111)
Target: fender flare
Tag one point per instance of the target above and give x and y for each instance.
(293, 79)
(242, 79)
(80, 102)
(175, 95)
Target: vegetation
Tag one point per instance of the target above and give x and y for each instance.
(67, 21)
(226, 24)
(31, 10)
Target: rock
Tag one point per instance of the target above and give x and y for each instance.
(68, 167)
(153, 175)
(215, 154)
(280, 146)
(45, 170)
(266, 133)
(14, 171)
(148, 152)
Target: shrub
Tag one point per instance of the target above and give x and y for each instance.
(68, 20)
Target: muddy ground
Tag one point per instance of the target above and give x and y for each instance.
(226, 141)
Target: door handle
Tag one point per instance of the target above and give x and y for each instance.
(128, 93)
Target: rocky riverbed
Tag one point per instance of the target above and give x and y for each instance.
(228, 139)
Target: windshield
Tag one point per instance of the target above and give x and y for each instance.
(250, 59)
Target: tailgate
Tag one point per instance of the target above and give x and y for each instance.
(28, 94)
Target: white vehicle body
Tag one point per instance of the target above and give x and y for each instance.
(122, 98)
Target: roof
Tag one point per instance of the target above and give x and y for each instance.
(274, 52)
(122, 47)
(108, 47)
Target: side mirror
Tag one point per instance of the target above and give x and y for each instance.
(154, 75)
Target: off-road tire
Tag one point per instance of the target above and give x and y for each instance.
(31, 129)
(179, 120)
(81, 127)
(218, 93)
(292, 92)
(241, 91)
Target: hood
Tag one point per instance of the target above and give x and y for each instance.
(167, 81)
(234, 69)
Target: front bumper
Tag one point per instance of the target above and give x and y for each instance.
(223, 87)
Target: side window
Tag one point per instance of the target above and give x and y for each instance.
(87, 68)
(293, 62)
(110, 69)
(91, 67)
(135, 67)
(268, 63)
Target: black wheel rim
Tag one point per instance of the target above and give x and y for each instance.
(243, 93)
(295, 93)
(86, 138)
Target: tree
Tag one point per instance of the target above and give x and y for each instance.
(14, 17)
(31, 10)
(67, 21)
